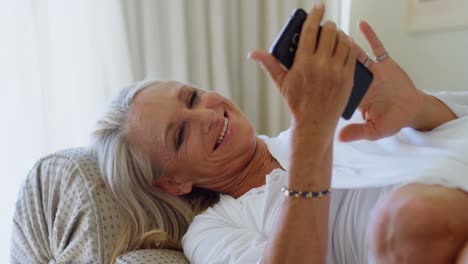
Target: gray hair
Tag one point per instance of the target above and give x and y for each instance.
(154, 219)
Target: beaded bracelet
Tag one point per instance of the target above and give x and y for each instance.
(291, 193)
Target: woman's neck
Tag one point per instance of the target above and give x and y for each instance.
(253, 176)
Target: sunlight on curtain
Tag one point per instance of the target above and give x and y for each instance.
(22, 130)
(62, 61)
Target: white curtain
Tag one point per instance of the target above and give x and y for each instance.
(62, 61)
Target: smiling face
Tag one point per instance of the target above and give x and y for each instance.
(198, 138)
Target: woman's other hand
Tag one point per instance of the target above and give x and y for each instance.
(318, 85)
(392, 101)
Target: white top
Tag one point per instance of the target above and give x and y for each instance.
(237, 230)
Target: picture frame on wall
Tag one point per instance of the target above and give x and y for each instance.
(431, 15)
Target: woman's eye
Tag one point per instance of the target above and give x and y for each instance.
(180, 137)
(193, 98)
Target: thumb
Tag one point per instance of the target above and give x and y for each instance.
(270, 64)
(354, 132)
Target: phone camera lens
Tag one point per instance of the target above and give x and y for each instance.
(295, 39)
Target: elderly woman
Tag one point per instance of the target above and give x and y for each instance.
(174, 151)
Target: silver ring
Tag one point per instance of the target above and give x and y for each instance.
(381, 58)
(367, 62)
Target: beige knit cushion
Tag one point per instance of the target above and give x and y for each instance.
(64, 214)
(152, 256)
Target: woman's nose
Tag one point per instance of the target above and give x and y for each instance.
(206, 118)
(211, 100)
(208, 111)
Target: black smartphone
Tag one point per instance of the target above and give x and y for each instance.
(284, 49)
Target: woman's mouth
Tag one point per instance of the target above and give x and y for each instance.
(223, 133)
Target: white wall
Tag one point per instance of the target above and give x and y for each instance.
(436, 60)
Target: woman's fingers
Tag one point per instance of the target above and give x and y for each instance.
(309, 33)
(327, 39)
(341, 47)
(363, 57)
(374, 41)
(354, 132)
(270, 64)
(350, 65)
(351, 58)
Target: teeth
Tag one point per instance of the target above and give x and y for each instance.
(221, 136)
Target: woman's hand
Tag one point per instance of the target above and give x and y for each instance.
(392, 101)
(318, 85)
(316, 89)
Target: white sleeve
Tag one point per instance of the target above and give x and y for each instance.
(225, 233)
(456, 101)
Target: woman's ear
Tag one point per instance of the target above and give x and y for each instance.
(173, 187)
